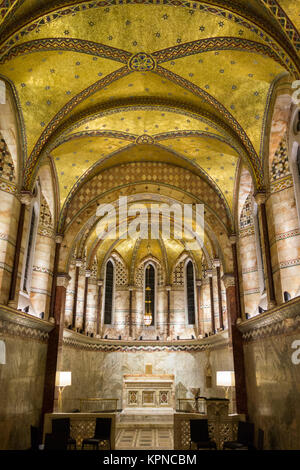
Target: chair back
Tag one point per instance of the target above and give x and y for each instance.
(103, 428)
(34, 438)
(199, 430)
(61, 426)
(245, 432)
(55, 441)
(260, 439)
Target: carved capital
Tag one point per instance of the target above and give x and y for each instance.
(62, 280)
(99, 282)
(209, 273)
(229, 280)
(216, 263)
(88, 273)
(131, 288)
(260, 198)
(58, 238)
(198, 282)
(233, 238)
(78, 263)
(26, 197)
(168, 288)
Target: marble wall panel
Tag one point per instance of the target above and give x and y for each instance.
(100, 374)
(22, 384)
(273, 390)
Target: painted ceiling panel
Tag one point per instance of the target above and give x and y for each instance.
(73, 158)
(239, 81)
(46, 81)
(215, 158)
(144, 85)
(138, 27)
(150, 121)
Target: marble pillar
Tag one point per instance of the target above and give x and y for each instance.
(220, 306)
(25, 198)
(212, 305)
(55, 343)
(74, 312)
(236, 342)
(85, 296)
(260, 199)
(99, 305)
(200, 311)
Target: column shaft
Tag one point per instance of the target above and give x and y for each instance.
(14, 275)
(212, 307)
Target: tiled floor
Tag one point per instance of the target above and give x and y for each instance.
(143, 439)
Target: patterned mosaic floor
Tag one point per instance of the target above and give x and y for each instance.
(143, 439)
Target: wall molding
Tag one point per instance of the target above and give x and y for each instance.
(15, 323)
(283, 319)
(78, 341)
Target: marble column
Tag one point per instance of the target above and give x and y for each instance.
(99, 304)
(199, 308)
(78, 265)
(25, 198)
(218, 270)
(236, 342)
(233, 241)
(130, 329)
(168, 289)
(260, 199)
(212, 306)
(55, 343)
(86, 289)
(58, 240)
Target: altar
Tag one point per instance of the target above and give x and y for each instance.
(148, 392)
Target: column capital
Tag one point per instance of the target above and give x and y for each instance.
(131, 288)
(260, 198)
(229, 280)
(26, 197)
(62, 280)
(168, 288)
(88, 273)
(59, 238)
(198, 282)
(216, 263)
(99, 282)
(209, 273)
(78, 263)
(233, 238)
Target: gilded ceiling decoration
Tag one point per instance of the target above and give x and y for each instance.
(102, 84)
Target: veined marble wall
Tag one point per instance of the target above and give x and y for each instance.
(100, 374)
(273, 390)
(273, 375)
(22, 377)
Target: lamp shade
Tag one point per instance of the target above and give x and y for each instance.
(225, 378)
(63, 379)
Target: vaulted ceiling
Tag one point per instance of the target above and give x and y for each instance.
(103, 83)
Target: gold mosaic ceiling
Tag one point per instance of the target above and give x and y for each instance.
(199, 91)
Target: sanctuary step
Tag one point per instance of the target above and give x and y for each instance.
(144, 439)
(140, 418)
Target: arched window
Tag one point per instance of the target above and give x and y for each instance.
(109, 290)
(190, 293)
(149, 295)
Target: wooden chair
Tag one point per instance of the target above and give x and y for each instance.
(102, 434)
(200, 435)
(245, 438)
